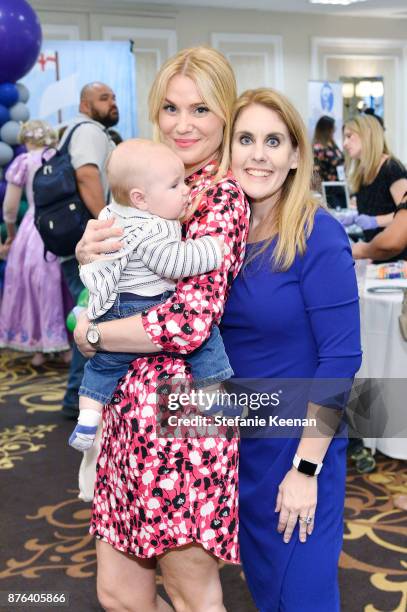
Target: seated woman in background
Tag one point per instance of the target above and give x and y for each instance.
(327, 154)
(376, 177)
(392, 242)
(32, 310)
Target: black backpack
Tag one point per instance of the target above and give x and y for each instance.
(60, 215)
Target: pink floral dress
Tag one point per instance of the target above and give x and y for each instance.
(153, 494)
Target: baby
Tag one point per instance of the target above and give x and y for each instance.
(149, 197)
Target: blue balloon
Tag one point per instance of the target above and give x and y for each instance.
(3, 187)
(18, 149)
(23, 93)
(4, 114)
(8, 92)
(6, 154)
(19, 112)
(20, 39)
(9, 132)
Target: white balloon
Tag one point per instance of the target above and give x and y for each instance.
(19, 112)
(23, 93)
(6, 154)
(9, 132)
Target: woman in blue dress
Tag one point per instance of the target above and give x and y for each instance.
(292, 313)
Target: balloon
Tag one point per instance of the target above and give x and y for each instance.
(3, 187)
(9, 132)
(19, 112)
(8, 91)
(72, 317)
(20, 39)
(19, 149)
(23, 93)
(81, 305)
(6, 153)
(83, 298)
(4, 114)
(7, 166)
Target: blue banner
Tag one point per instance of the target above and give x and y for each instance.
(64, 67)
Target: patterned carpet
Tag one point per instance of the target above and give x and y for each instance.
(45, 545)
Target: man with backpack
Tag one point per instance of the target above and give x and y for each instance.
(89, 146)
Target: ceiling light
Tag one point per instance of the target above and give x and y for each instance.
(338, 2)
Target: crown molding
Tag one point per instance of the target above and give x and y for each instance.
(111, 7)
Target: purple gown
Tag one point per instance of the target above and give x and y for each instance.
(32, 315)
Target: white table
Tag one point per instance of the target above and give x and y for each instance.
(384, 358)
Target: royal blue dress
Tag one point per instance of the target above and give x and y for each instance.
(302, 323)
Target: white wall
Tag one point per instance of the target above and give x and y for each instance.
(282, 47)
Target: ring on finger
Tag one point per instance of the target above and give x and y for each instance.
(308, 520)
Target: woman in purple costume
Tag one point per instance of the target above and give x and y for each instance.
(32, 310)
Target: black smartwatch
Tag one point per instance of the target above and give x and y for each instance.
(307, 467)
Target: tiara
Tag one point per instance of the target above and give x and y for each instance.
(40, 132)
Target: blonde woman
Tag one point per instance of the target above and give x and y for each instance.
(376, 177)
(32, 312)
(292, 313)
(166, 500)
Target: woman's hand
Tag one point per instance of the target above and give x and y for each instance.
(360, 250)
(367, 222)
(296, 500)
(79, 334)
(97, 240)
(347, 218)
(5, 248)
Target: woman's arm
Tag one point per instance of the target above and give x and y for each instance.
(330, 296)
(368, 222)
(10, 208)
(384, 220)
(16, 177)
(182, 323)
(119, 336)
(398, 190)
(388, 243)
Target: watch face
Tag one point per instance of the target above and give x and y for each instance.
(92, 336)
(306, 467)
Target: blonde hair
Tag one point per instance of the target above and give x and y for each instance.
(38, 133)
(364, 170)
(215, 81)
(293, 216)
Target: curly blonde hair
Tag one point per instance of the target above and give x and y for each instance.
(38, 133)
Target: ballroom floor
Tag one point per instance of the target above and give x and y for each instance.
(45, 544)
